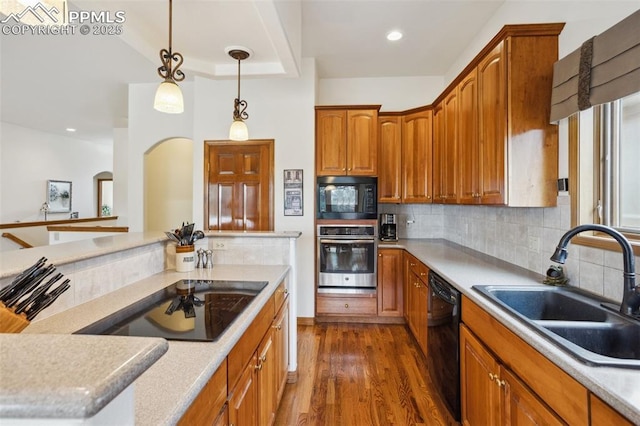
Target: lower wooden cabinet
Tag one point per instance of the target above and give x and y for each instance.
(493, 395)
(247, 388)
(390, 282)
(417, 295)
(209, 403)
(603, 415)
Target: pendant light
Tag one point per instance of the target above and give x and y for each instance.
(238, 130)
(169, 96)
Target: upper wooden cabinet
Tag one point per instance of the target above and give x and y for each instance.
(445, 149)
(347, 141)
(389, 158)
(468, 147)
(417, 157)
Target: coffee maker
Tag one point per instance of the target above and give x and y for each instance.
(388, 227)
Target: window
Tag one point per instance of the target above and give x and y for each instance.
(604, 144)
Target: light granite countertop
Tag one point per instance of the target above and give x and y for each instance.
(464, 268)
(165, 391)
(68, 376)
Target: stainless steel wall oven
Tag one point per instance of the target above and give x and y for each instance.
(347, 257)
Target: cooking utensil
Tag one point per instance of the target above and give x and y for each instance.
(173, 237)
(46, 299)
(36, 293)
(198, 235)
(6, 292)
(29, 285)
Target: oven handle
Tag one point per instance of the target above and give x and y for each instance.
(363, 240)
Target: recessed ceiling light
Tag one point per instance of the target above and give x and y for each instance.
(394, 36)
(71, 129)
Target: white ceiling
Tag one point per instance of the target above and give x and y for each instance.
(53, 82)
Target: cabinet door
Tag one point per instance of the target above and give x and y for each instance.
(521, 407)
(492, 125)
(421, 315)
(407, 284)
(331, 142)
(438, 153)
(281, 345)
(468, 149)
(389, 158)
(450, 149)
(480, 395)
(362, 142)
(603, 415)
(416, 153)
(243, 402)
(267, 386)
(390, 282)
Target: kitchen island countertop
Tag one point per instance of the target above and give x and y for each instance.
(165, 391)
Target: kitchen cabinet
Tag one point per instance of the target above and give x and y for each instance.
(603, 415)
(258, 364)
(209, 403)
(390, 282)
(417, 153)
(417, 298)
(338, 304)
(390, 158)
(504, 380)
(518, 147)
(491, 394)
(445, 150)
(468, 146)
(347, 141)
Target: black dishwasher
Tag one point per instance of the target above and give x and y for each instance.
(443, 353)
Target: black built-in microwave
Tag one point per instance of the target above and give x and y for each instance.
(347, 197)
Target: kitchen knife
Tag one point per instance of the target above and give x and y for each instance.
(36, 293)
(46, 299)
(6, 292)
(29, 285)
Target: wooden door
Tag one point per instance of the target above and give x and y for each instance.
(492, 125)
(468, 150)
(421, 314)
(389, 158)
(479, 392)
(362, 142)
(331, 142)
(438, 153)
(407, 284)
(603, 415)
(450, 149)
(390, 282)
(239, 185)
(416, 153)
(521, 407)
(243, 400)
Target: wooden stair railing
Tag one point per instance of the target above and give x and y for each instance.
(19, 241)
(70, 228)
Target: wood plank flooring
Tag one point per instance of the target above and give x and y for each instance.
(359, 374)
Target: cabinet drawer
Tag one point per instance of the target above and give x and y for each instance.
(419, 268)
(347, 305)
(280, 294)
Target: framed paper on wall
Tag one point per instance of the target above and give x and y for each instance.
(293, 199)
(59, 196)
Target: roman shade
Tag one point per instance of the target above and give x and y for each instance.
(603, 69)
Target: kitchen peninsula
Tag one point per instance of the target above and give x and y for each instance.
(163, 393)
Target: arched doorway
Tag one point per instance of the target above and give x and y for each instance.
(168, 184)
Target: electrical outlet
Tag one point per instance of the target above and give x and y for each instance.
(534, 244)
(219, 246)
(409, 222)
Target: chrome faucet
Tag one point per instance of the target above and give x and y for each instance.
(631, 292)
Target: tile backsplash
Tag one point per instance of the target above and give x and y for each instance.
(525, 237)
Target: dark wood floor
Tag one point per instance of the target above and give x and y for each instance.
(359, 374)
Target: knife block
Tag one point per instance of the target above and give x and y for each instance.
(11, 322)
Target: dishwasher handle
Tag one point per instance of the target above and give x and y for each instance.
(442, 289)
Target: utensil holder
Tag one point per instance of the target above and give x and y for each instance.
(10, 322)
(185, 258)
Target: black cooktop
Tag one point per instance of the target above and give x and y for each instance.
(192, 310)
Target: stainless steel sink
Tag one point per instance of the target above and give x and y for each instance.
(586, 326)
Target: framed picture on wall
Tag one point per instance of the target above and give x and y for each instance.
(293, 199)
(59, 196)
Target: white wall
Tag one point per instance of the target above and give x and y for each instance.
(31, 157)
(281, 109)
(394, 94)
